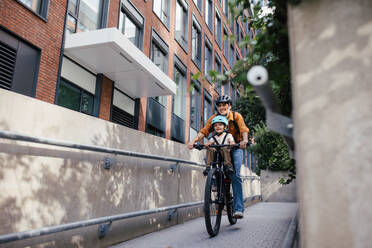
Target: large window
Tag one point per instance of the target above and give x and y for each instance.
(237, 33)
(232, 55)
(75, 98)
(76, 88)
(199, 4)
(218, 28)
(179, 100)
(209, 13)
(162, 10)
(84, 15)
(217, 68)
(233, 92)
(226, 7)
(225, 43)
(40, 7)
(180, 32)
(131, 23)
(227, 84)
(195, 105)
(208, 62)
(196, 42)
(159, 55)
(208, 110)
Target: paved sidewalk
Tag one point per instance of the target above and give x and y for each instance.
(265, 224)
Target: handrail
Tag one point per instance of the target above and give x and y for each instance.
(29, 138)
(74, 225)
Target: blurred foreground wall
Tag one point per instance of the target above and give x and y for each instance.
(331, 56)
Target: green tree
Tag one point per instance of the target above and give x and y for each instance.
(269, 48)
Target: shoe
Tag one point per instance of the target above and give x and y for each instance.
(238, 215)
(229, 170)
(206, 171)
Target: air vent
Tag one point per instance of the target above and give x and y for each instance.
(7, 64)
(121, 117)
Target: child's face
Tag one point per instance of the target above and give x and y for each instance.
(219, 127)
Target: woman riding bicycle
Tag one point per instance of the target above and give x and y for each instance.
(239, 131)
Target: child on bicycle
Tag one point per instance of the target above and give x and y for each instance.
(220, 137)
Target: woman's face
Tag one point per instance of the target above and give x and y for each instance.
(223, 108)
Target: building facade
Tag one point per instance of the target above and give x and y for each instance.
(130, 62)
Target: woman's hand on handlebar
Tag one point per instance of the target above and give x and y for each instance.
(190, 145)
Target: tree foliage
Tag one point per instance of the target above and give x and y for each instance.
(269, 48)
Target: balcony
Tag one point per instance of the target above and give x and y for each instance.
(109, 52)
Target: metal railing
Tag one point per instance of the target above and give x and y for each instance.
(29, 138)
(104, 221)
(102, 229)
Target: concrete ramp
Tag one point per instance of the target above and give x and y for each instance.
(266, 224)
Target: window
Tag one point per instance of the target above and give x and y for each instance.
(162, 10)
(218, 27)
(84, 15)
(233, 91)
(179, 100)
(131, 23)
(209, 13)
(237, 33)
(40, 7)
(217, 68)
(226, 7)
(232, 55)
(159, 52)
(155, 118)
(225, 43)
(75, 98)
(123, 109)
(208, 63)
(241, 36)
(199, 4)
(77, 88)
(231, 23)
(159, 55)
(180, 32)
(195, 105)
(226, 85)
(208, 110)
(196, 43)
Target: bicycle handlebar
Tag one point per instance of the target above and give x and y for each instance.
(201, 147)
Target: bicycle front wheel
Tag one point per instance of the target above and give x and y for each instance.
(212, 204)
(230, 205)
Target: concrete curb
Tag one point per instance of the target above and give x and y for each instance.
(291, 232)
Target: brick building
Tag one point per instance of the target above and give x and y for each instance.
(130, 62)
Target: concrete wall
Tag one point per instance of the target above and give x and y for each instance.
(273, 191)
(331, 54)
(44, 185)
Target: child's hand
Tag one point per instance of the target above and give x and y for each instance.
(207, 144)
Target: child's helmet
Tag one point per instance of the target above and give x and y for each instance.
(220, 118)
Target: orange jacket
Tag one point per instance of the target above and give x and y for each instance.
(238, 119)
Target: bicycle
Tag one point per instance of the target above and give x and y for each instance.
(217, 192)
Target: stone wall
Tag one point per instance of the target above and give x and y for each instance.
(44, 185)
(273, 191)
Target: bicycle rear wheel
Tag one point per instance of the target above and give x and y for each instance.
(230, 205)
(212, 205)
